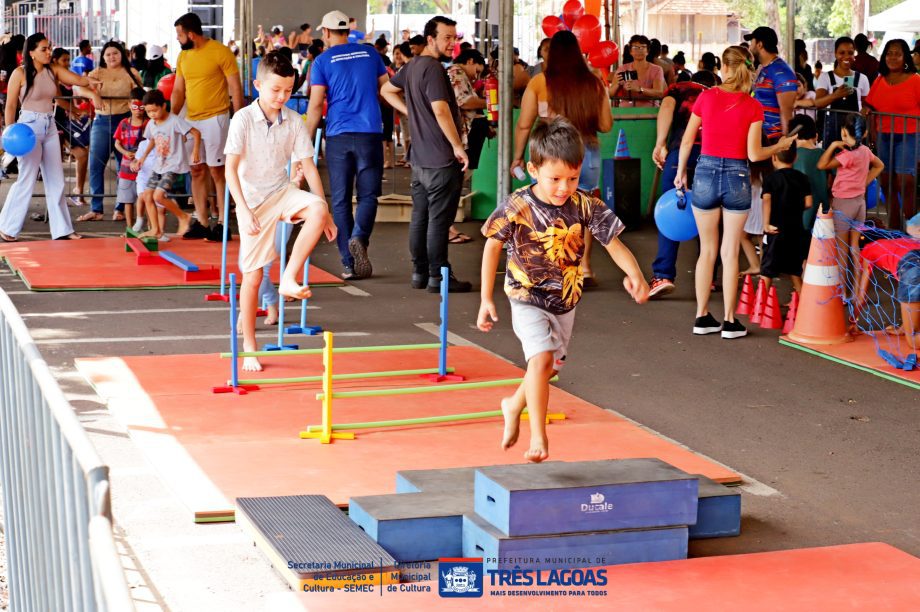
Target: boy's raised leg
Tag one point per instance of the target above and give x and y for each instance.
(536, 392)
(512, 407)
(249, 298)
(314, 222)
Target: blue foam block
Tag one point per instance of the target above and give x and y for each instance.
(584, 496)
(413, 526)
(438, 480)
(178, 261)
(571, 550)
(719, 511)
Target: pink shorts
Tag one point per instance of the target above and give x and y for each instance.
(284, 205)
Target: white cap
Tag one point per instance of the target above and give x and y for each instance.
(154, 52)
(335, 20)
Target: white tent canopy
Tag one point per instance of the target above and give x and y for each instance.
(904, 17)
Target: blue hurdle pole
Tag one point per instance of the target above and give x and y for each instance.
(303, 328)
(316, 143)
(442, 335)
(234, 348)
(281, 346)
(222, 296)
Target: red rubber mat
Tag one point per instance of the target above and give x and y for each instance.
(869, 576)
(861, 354)
(102, 264)
(213, 448)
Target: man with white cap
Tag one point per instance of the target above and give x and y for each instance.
(349, 76)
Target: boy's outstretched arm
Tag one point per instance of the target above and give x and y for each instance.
(196, 145)
(634, 282)
(487, 313)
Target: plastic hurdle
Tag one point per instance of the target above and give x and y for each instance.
(233, 385)
(222, 296)
(281, 346)
(303, 328)
(327, 431)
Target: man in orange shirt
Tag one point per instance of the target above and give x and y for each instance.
(207, 79)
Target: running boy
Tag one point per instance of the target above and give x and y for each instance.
(543, 226)
(262, 139)
(166, 134)
(128, 136)
(786, 195)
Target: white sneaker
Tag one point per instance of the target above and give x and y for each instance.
(163, 238)
(138, 225)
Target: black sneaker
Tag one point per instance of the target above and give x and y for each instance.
(197, 231)
(733, 329)
(706, 325)
(453, 285)
(358, 250)
(216, 233)
(419, 281)
(349, 274)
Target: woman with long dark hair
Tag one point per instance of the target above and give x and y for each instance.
(731, 121)
(897, 91)
(568, 88)
(118, 78)
(33, 86)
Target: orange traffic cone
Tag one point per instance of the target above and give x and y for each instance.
(790, 316)
(820, 318)
(759, 299)
(772, 317)
(744, 302)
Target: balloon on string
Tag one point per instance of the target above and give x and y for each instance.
(571, 12)
(674, 216)
(552, 24)
(587, 29)
(18, 139)
(166, 85)
(604, 54)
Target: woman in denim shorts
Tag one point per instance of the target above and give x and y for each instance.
(731, 123)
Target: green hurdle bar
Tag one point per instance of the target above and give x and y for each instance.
(447, 418)
(357, 375)
(485, 384)
(344, 349)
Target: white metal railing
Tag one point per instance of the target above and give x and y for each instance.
(61, 552)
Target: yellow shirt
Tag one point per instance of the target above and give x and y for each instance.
(205, 72)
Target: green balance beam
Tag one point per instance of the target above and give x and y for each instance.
(433, 389)
(468, 416)
(357, 375)
(344, 349)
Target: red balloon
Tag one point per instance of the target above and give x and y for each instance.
(587, 29)
(166, 85)
(551, 25)
(604, 54)
(572, 12)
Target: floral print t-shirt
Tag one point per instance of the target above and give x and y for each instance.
(463, 91)
(545, 244)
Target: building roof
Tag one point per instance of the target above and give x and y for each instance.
(691, 7)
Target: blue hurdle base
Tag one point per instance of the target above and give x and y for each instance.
(283, 347)
(309, 330)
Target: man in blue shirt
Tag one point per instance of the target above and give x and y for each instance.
(776, 84)
(83, 63)
(349, 76)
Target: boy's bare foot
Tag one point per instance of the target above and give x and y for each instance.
(272, 317)
(512, 423)
(749, 271)
(291, 289)
(538, 451)
(184, 224)
(251, 364)
(149, 234)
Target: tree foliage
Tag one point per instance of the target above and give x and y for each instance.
(812, 17)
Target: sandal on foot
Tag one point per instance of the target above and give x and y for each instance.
(8, 238)
(72, 236)
(118, 216)
(91, 216)
(459, 238)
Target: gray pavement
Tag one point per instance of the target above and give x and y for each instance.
(829, 453)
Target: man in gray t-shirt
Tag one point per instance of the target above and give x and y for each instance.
(437, 154)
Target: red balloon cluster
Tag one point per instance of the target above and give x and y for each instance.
(166, 85)
(604, 54)
(585, 26)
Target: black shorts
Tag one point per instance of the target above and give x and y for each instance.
(475, 140)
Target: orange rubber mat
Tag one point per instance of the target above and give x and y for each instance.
(102, 264)
(213, 448)
(861, 354)
(869, 576)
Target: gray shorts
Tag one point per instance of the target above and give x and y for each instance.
(540, 331)
(850, 209)
(127, 191)
(163, 181)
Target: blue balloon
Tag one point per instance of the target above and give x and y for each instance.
(872, 195)
(674, 216)
(18, 139)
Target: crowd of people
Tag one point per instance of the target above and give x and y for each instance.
(762, 143)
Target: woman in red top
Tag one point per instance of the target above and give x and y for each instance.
(731, 120)
(897, 91)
